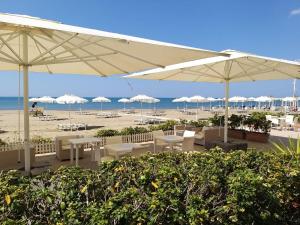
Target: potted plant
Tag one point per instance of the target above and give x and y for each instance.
(259, 127)
(235, 123)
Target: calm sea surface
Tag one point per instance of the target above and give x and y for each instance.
(8, 103)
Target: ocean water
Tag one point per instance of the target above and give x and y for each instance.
(12, 103)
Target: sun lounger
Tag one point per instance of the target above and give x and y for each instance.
(72, 126)
(107, 115)
(47, 117)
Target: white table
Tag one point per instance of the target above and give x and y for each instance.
(121, 149)
(81, 141)
(169, 139)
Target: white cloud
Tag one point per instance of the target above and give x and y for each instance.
(295, 12)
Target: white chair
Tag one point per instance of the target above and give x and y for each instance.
(188, 133)
(289, 119)
(274, 120)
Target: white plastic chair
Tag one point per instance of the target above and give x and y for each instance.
(188, 133)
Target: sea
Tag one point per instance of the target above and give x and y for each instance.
(14, 103)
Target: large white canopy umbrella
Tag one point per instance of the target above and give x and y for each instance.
(33, 99)
(46, 100)
(197, 99)
(141, 99)
(101, 100)
(124, 101)
(261, 99)
(69, 100)
(52, 47)
(236, 68)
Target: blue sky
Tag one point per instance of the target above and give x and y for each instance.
(268, 27)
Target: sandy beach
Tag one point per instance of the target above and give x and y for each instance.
(9, 122)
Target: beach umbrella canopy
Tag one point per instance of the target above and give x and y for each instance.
(52, 47)
(237, 67)
(46, 100)
(289, 99)
(141, 98)
(237, 99)
(263, 99)
(124, 100)
(197, 99)
(182, 99)
(33, 99)
(70, 99)
(101, 99)
(251, 99)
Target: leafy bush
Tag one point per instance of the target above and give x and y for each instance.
(107, 133)
(133, 130)
(40, 139)
(202, 188)
(257, 122)
(168, 125)
(217, 120)
(235, 121)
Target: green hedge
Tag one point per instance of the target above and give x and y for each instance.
(202, 188)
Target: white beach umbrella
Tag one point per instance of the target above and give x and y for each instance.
(33, 99)
(69, 100)
(46, 100)
(52, 47)
(251, 99)
(124, 101)
(141, 99)
(101, 100)
(210, 100)
(197, 99)
(289, 99)
(236, 68)
(237, 99)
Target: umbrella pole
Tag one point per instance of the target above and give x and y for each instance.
(26, 110)
(226, 111)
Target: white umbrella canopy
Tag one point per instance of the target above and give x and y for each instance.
(237, 99)
(101, 100)
(251, 99)
(59, 48)
(47, 100)
(69, 100)
(33, 99)
(237, 67)
(289, 99)
(197, 99)
(124, 101)
(182, 99)
(52, 47)
(141, 99)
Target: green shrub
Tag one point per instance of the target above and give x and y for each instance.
(235, 121)
(198, 123)
(257, 122)
(133, 130)
(40, 139)
(201, 188)
(217, 120)
(168, 125)
(107, 133)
